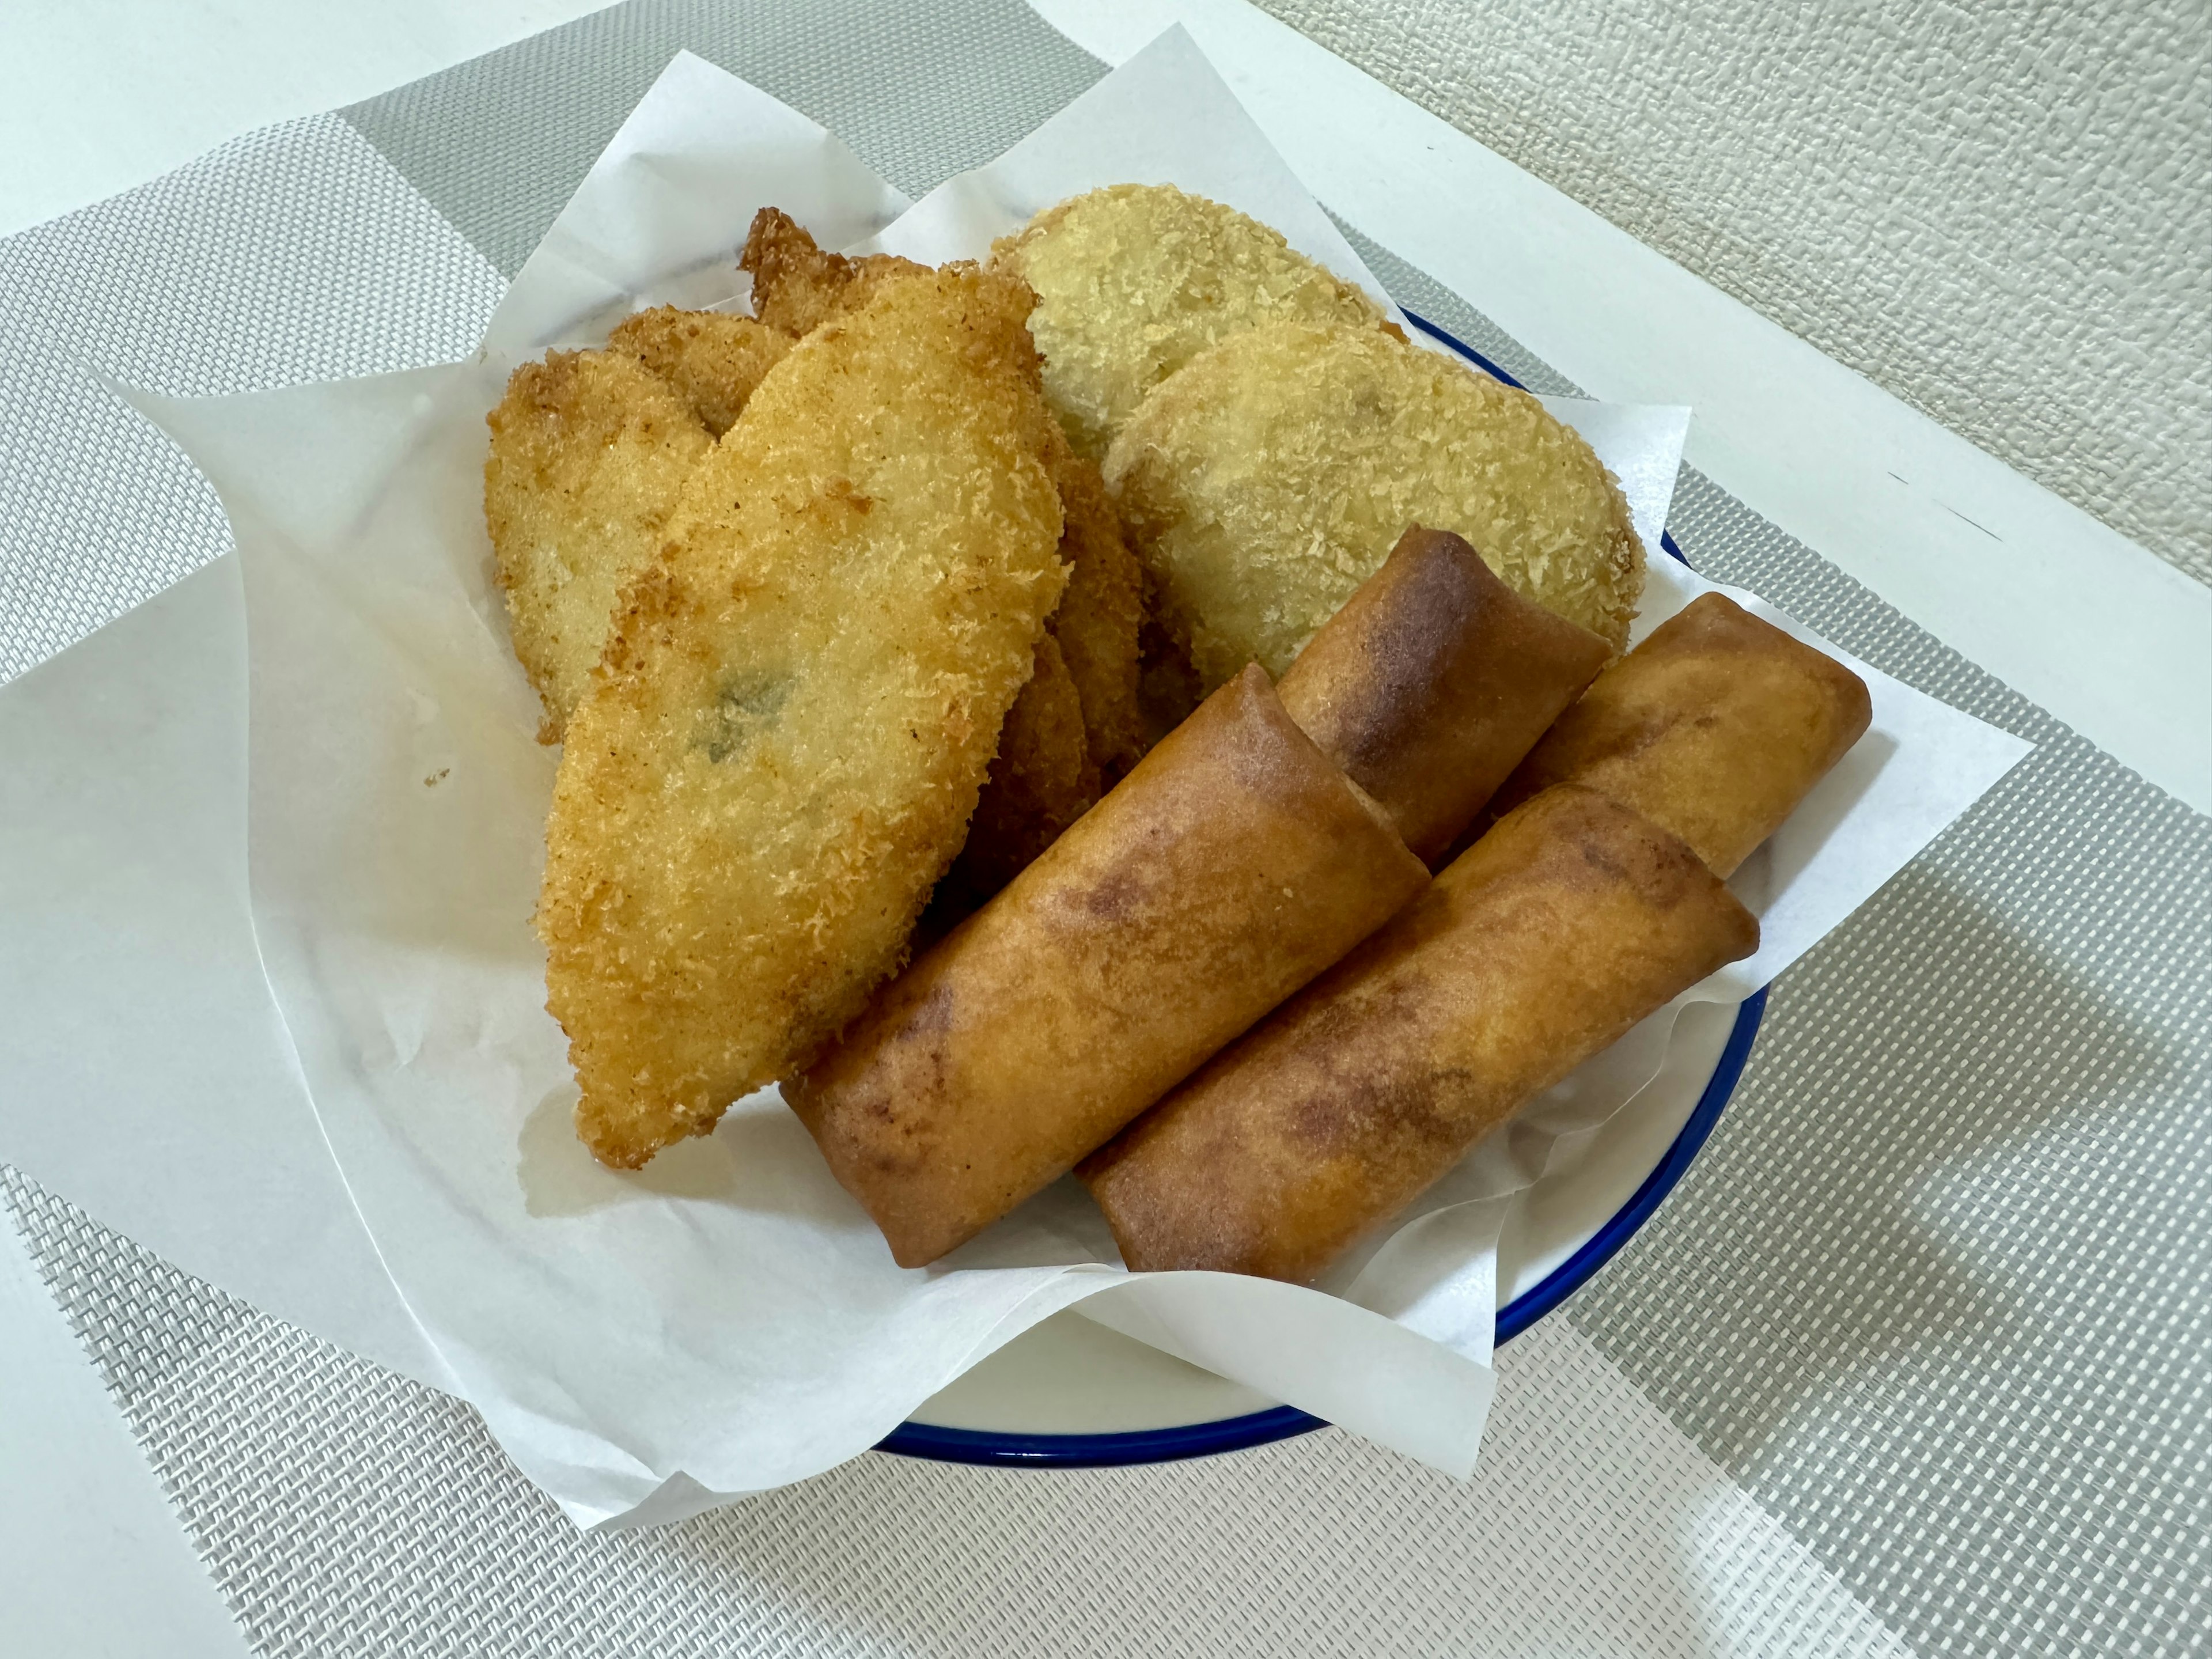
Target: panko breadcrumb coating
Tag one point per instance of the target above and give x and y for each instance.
(1134, 280)
(1272, 475)
(712, 360)
(797, 286)
(589, 453)
(1097, 624)
(779, 751)
(1041, 782)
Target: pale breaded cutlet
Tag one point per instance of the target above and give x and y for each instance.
(589, 451)
(779, 752)
(1269, 477)
(1133, 281)
(712, 359)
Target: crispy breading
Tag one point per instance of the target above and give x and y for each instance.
(1041, 781)
(1134, 280)
(780, 748)
(1270, 475)
(589, 453)
(798, 286)
(1097, 625)
(713, 359)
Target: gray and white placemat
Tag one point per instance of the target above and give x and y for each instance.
(1934, 1296)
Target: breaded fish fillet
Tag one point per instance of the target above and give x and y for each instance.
(1097, 624)
(798, 286)
(1042, 780)
(589, 451)
(712, 360)
(1270, 475)
(1134, 280)
(779, 751)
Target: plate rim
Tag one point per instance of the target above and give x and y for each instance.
(1180, 1442)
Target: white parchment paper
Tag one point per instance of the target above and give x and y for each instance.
(726, 1320)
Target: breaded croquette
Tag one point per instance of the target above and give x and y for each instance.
(797, 285)
(1270, 475)
(712, 360)
(1134, 280)
(779, 751)
(589, 451)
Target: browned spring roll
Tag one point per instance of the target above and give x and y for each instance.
(1714, 727)
(1570, 921)
(1230, 867)
(1433, 680)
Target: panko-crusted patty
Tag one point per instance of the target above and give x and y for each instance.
(1133, 281)
(1270, 475)
(712, 360)
(779, 751)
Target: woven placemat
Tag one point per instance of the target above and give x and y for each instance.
(1935, 1294)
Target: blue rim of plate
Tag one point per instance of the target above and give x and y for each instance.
(1229, 1434)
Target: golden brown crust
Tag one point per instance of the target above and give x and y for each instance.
(712, 360)
(1270, 476)
(1570, 921)
(797, 286)
(589, 453)
(1133, 281)
(780, 749)
(1042, 780)
(1715, 727)
(1097, 624)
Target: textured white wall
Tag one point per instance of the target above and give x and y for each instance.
(2002, 211)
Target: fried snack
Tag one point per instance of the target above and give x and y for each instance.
(1134, 280)
(779, 753)
(1041, 781)
(1432, 682)
(1269, 478)
(589, 453)
(1233, 865)
(1570, 921)
(1715, 727)
(797, 286)
(712, 360)
(1099, 617)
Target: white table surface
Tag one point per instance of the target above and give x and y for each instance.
(98, 95)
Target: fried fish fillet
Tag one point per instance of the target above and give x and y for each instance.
(1096, 626)
(712, 360)
(1133, 281)
(1042, 780)
(1270, 476)
(589, 453)
(779, 753)
(797, 286)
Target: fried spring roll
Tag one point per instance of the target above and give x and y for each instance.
(1433, 680)
(1229, 868)
(1570, 921)
(1715, 727)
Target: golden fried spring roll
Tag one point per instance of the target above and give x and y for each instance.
(1570, 921)
(1433, 680)
(1715, 727)
(1230, 867)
